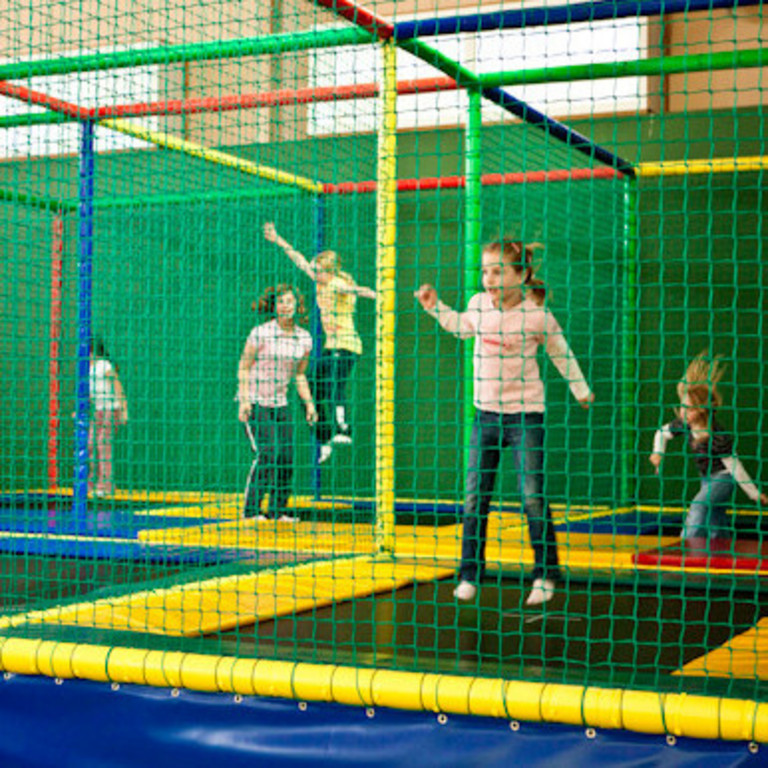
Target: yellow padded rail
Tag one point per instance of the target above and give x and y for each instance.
(641, 711)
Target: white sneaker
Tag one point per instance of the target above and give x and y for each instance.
(261, 518)
(325, 453)
(543, 591)
(341, 438)
(287, 519)
(465, 591)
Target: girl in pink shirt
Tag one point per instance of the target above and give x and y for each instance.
(275, 353)
(509, 322)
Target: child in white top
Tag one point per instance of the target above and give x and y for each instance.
(275, 353)
(109, 409)
(508, 322)
(719, 466)
(337, 294)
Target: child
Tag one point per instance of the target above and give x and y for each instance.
(276, 352)
(109, 409)
(509, 322)
(712, 446)
(337, 296)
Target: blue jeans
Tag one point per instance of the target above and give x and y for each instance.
(707, 517)
(524, 433)
(332, 373)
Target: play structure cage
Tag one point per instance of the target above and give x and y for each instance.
(143, 150)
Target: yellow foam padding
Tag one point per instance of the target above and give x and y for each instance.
(225, 506)
(684, 715)
(229, 511)
(209, 511)
(313, 538)
(508, 544)
(306, 502)
(221, 604)
(744, 656)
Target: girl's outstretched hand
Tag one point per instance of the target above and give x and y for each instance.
(655, 459)
(270, 233)
(764, 499)
(585, 402)
(426, 296)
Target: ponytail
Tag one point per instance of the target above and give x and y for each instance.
(519, 256)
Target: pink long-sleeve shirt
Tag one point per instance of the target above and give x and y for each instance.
(506, 372)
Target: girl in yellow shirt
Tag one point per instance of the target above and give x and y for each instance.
(337, 294)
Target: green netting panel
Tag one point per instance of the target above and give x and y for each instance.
(702, 273)
(26, 304)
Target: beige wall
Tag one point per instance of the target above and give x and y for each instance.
(51, 27)
(742, 28)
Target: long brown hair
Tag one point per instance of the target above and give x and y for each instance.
(266, 303)
(519, 256)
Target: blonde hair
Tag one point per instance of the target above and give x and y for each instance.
(700, 382)
(519, 256)
(331, 261)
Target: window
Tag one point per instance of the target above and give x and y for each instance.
(486, 52)
(86, 89)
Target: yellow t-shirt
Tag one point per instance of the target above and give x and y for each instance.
(337, 313)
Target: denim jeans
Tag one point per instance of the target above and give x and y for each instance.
(707, 517)
(272, 468)
(524, 433)
(332, 373)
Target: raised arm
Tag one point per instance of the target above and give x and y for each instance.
(359, 290)
(298, 258)
(461, 324)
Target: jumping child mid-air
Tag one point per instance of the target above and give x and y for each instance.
(337, 294)
(509, 322)
(713, 450)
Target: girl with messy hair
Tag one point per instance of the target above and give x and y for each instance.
(275, 354)
(719, 466)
